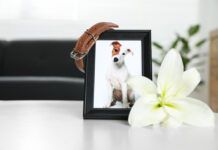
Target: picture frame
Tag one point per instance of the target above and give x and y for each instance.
(103, 55)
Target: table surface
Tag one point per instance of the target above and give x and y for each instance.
(58, 125)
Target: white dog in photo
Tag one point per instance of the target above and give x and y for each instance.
(119, 94)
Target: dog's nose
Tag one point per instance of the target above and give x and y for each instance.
(115, 59)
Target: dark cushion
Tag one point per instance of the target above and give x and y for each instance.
(39, 70)
(39, 58)
(41, 88)
(2, 49)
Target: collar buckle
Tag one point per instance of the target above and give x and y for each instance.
(77, 55)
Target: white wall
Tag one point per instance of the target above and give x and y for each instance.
(68, 19)
(208, 11)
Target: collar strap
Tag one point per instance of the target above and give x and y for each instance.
(92, 36)
(87, 40)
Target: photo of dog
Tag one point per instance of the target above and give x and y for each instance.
(117, 76)
(115, 62)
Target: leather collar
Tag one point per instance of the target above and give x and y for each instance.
(87, 40)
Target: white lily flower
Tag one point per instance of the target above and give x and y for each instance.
(168, 103)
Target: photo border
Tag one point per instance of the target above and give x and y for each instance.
(89, 112)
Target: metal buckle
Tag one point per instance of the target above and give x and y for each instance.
(77, 55)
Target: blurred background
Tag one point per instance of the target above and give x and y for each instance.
(174, 23)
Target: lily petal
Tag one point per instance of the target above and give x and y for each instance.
(142, 85)
(190, 79)
(190, 111)
(145, 112)
(170, 73)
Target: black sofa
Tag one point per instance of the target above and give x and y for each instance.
(39, 70)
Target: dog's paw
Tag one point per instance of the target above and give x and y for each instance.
(126, 105)
(106, 106)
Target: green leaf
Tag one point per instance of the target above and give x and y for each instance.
(193, 30)
(158, 63)
(201, 82)
(195, 56)
(157, 45)
(185, 61)
(200, 43)
(203, 55)
(185, 45)
(175, 43)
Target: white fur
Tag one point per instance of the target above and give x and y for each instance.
(117, 76)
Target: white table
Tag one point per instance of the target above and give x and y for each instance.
(58, 125)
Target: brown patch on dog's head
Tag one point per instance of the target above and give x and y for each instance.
(116, 48)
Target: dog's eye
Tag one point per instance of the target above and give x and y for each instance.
(124, 54)
(116, 50)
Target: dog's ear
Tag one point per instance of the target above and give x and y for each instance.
(116, 44)
(130, 51)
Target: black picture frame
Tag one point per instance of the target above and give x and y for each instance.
(89, 112)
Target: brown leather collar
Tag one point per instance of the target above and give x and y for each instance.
(87, 40)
